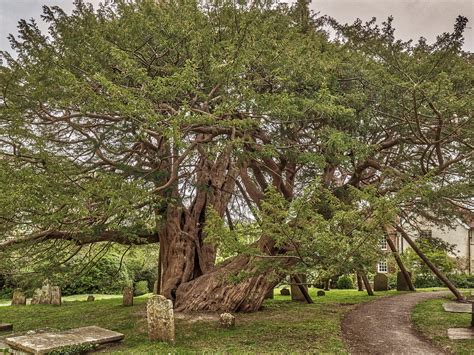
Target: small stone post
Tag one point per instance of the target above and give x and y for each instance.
(160, 319)
(127, 296)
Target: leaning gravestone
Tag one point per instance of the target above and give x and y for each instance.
(127, 296)
(296, 294)
(160, 319)
(18, 299)
(380, 282)
(55, 295)
(401, 283)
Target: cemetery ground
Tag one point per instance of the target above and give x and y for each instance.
(282, 326)
(432, 321)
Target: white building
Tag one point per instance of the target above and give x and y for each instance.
(461, 235)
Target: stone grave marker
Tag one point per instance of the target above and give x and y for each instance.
(380, 282)
(160, 317)
(36, 296)
(45, 297)
(90, 298)
(284, 292)
(227, 320)
(320, 293)
(401, 283)
(55, 295)
(44, 343)
(461, 333)
(18, 299)
(127, 296)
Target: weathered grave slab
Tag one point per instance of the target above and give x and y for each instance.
(457, 307)
(160, 319)
(5, 327)
(43, 343)
(461, 333)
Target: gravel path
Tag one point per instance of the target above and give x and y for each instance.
(384, 326)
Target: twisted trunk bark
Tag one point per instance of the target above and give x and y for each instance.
(237, 285)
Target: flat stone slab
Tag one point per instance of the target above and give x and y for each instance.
(43, 343)
(5, 327)
(460, 333)
(457, 307)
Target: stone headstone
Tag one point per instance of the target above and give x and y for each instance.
(296, 294)
(320, 293)
(380, 282)
(18, 299)
(56, 295)
(36, 296)
(44, 343)
(45, 297)
(160, 319)
(127, 296)
(227, 320)
(284, 292)
(90, 298)
(401, 283)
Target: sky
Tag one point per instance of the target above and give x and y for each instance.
(412, 18)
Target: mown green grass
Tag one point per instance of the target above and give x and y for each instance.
(282, 326)
(433, 322)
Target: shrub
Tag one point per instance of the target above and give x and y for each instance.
(106, 276)
(140, 288)
(345, 282)
(459, 280)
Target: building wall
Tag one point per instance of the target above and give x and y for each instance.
(458, 236)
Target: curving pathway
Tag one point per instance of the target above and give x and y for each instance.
(384, 326)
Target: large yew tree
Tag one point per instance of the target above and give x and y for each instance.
(151, 122)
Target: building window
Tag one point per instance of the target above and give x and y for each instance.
(382, 267)
(425, 233)
(383, 242)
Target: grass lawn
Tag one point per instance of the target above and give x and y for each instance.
(433, 322)
(282, 326)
